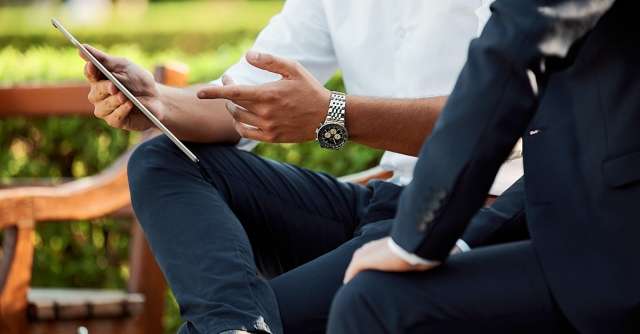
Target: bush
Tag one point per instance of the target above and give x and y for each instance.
(189, 26)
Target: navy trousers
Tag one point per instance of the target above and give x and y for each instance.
(261, 246)
(494, 289)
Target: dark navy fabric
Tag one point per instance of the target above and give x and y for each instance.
(261, 245)
(497, 289)
(502, 222)
(565, 76)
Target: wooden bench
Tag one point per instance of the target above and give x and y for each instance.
(36, 310)
(25, 310)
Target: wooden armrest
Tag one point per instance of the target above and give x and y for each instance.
(86, 198)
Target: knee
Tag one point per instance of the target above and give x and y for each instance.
(355, 307)
(150, 160)
(154, 152)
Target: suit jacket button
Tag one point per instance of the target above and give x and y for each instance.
(434, 205)
(428, 218)
(441, 194)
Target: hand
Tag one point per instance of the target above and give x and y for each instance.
(288, 110)
(376, 255)
(110, 104)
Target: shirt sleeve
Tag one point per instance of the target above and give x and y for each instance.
(299, 32)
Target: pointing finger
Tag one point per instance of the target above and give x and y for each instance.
(232, 92)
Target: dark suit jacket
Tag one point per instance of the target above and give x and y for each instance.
(503, 221)
(565, 74)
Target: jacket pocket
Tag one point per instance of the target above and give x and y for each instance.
(622, 171)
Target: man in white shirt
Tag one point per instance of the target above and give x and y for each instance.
(262, 246)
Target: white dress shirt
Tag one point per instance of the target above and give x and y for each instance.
(398, 49)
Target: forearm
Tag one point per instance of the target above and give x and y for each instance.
(398, 125)
(196, 120)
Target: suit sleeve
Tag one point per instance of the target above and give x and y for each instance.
(503, 221)
(494, 99)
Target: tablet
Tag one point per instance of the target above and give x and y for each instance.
(125, 91)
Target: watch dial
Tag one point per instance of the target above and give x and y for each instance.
(332, 136)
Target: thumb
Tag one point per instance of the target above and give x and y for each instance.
(285, 67)
(110, 62)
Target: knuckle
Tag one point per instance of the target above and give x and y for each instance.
(234, 94)
(286, 104)
(269, 126)
(91, 95)
(270, 95)
(267, 113)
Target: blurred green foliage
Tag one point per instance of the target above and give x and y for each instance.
(95, 254)
(193, 26)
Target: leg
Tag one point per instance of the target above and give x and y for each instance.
(497, 289)
(204, 235)
(304, 294)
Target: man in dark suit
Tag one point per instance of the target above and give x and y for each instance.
(565, 74)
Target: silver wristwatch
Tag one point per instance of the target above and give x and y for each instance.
(332, 134)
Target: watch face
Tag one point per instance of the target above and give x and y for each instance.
(332, 136)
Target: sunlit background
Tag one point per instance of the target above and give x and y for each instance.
(207, 36)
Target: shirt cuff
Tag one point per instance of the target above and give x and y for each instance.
(412, 259)
(462, 246)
